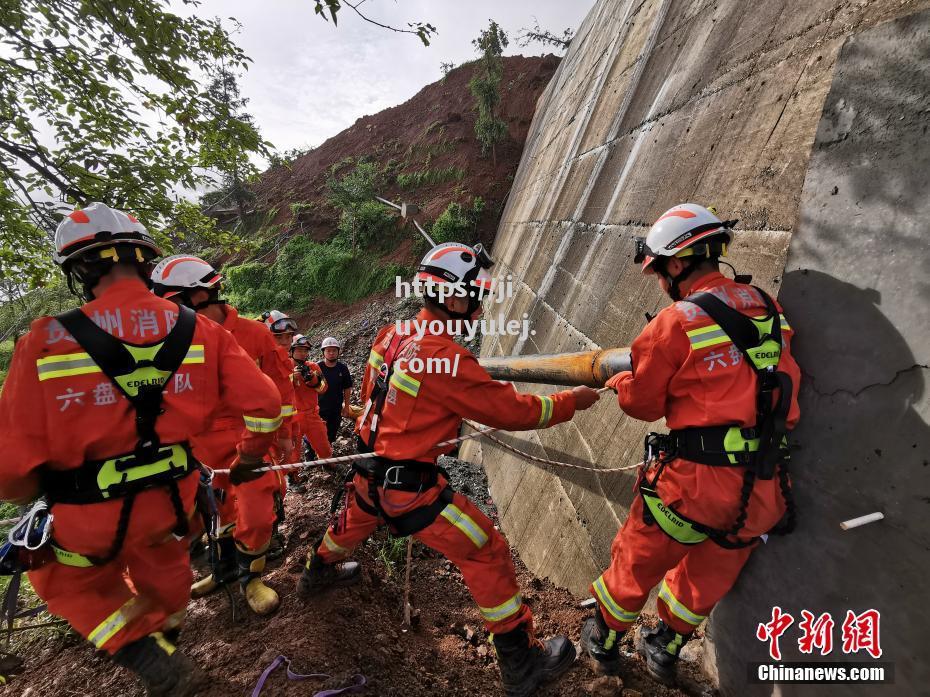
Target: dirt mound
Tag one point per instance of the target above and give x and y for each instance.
(431, 139)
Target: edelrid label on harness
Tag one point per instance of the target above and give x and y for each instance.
(671, 523)
(765, 355)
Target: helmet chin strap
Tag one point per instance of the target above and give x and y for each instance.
(674, 282)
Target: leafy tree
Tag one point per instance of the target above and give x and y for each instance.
(423, 30)
(101, 101)
(458, 223)
(233, 125)
(490, 129)
(363, 220)
(543, 36)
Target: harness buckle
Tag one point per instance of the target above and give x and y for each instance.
(387, 476)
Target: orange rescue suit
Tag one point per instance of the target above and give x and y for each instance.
(422, 409)
(308, 422)
(691, 380)
(71, 416)
(251, 505)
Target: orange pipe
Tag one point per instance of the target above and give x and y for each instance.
(591, 368)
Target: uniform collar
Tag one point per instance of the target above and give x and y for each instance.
(427, 317)
(712, 279)
(124, 285)
(232, 316)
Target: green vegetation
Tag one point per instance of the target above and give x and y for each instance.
(340, 269)
(113, 88)
(490, 129)
(458, 223)
(429, 177)
(392, 552)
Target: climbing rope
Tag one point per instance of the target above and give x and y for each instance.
(480, 431)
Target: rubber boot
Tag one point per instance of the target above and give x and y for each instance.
(661, 648)
(223, 568)
(318, 576)
(162, 668)
(601, 643)
(262, 599)
(526, 663)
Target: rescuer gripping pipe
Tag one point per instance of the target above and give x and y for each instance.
(591, 368)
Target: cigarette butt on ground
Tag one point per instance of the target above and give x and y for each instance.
(861, 520)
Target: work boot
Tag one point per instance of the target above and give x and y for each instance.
(661, 647)
(318, 576)
(163, 669)
(526, 662)
(222, 565)
(601, 643)
(262, 599)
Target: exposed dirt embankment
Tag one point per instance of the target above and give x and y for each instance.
(429, 140)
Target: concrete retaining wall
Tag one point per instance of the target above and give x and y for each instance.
(808, 122)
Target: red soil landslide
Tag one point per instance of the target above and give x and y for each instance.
(434, 130)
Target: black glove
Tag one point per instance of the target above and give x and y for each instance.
(243, 469)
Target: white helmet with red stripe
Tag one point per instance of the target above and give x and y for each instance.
(279, 323)
(180, 273)
(459, 265)
(685, 230)
(92, 233)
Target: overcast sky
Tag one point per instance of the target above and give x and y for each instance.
(310, 80)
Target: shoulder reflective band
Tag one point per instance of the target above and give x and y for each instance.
(375, 360)
(672, 524)
(287, 410)
(713, 334)
(124, 470)
(80, 363)
(405, 383)
(545, 411)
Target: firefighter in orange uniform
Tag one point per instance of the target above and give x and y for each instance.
(717, 365)
(248, 505)
(309, 383)
(97, 411)
(408, 412)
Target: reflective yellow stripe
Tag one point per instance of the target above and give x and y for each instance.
(71, 364)
(707, 336)
(677, 608)
(63, 556)
(617, 612)
(405, 383)
(464, 522)
(106, 630)
(332, 546)
(545, 411)
(287, 410)
(257, 424)
(375, 360)
(502, 611)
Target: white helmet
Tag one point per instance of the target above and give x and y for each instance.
(179, 273)
(457, 263)
(100, 228)
(331, 342)
(685, 230)
(300, 341)
(279, 323)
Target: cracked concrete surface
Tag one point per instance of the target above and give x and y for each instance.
(808, 122)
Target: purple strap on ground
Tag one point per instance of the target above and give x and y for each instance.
(360, 680)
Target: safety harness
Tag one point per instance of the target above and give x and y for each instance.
(140, 373)
(761, 450)
(400, 475)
